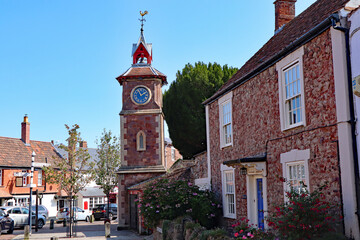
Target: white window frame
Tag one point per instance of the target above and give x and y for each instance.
(291, 158)
(224, 100)
(1, 176)
(224, 170)
(40, 177)
(293, 59)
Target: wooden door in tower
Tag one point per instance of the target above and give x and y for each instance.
(133, 212)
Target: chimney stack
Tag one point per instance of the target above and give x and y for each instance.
(83, 144)
(25, 130)
(284, 12)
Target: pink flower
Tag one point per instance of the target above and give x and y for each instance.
(236, 235)
(244, 237)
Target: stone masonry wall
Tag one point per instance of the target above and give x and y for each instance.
(125, 181)
(256, 127)
(200, 169)
(149, 125)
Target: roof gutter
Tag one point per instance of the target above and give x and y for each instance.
(308, 36)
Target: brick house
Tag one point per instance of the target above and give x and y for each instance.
(171, 153)
(285, 114)
(15, 168)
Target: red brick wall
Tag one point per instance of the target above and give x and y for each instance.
(155, 102)
(147, 124)
(9, 185)
(128, 180)
(168, 159)
(256, 127)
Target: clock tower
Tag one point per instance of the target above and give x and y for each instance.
(141, 130)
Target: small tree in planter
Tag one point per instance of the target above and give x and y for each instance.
(305, 216)
(169, 199)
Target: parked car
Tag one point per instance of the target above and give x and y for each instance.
(100, 211)
(79, 215)
(6, 222)
(42, 210)
(20, 215)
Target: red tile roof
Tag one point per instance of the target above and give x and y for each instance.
(143, 71)
(292, 31)
(14, 152)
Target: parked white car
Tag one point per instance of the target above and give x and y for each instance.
(20, 215)
(79, 215)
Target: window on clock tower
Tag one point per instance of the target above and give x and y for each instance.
(141, 141)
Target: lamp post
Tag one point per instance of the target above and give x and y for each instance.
(31, 187)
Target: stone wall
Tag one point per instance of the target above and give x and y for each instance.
(199, 170)
(256, 127)
(148, 124)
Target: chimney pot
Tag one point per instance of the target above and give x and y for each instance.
(284, 12)
(83, 144)
(25, 130)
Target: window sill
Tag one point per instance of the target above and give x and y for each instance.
(226, 146)
(291, 127)
(230, 216)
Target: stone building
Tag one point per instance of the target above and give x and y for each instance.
(285, 115)
(141, 130)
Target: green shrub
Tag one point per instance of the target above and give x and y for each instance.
(166, 199)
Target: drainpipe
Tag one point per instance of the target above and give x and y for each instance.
(334, 19)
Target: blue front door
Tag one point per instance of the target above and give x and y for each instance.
(260, 202)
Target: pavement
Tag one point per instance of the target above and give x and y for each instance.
(84, 230)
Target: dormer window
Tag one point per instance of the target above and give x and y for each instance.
(141, 141)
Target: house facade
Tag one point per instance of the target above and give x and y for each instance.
(285, 115)
(15, 169)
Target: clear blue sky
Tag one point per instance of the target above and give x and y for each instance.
(59, 59)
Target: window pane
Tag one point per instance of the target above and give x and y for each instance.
(298, 86)
(294, 74)
(296, 175)
(141, 140)
(297, 72)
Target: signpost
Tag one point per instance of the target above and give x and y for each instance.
(31, 185)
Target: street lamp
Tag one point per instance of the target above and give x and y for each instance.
(31, 185)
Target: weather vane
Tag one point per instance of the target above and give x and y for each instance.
(142, 20)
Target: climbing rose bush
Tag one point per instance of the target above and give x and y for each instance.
(304, 215)
(169, 199)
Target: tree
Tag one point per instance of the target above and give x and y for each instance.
(72, 172)
(109, 162)
(183, 109)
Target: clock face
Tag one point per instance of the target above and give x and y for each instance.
(140, 95)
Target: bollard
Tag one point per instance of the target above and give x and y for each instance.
(92, 219)
(54, 238)
(107, 230)
(27, 232)
(64, 222)
(52, 224)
